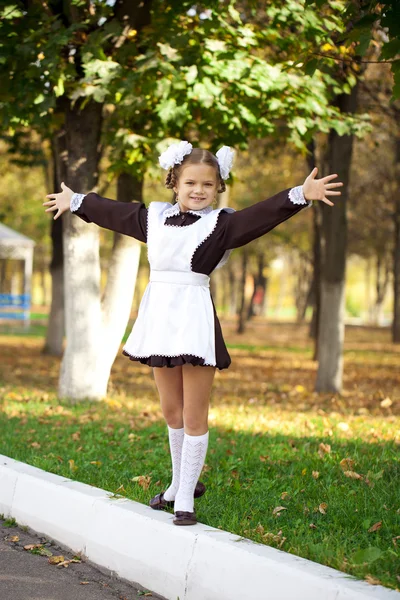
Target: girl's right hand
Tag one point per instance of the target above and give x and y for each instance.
(61, 201)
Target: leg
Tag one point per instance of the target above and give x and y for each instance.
(170, 389)
(197, 384)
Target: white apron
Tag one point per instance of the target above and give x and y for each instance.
(175, 314)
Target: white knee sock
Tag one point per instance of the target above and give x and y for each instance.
(175, 446)
(194, 452)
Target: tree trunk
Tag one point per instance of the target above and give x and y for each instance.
(56, 326)
(333, 273)
(79, 377)
(241, 312)
(232, 290)
(316, 282)
(121, 281)
(396, 253)
(381, 284)
(259, 285)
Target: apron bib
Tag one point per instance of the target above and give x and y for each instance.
(175, 314)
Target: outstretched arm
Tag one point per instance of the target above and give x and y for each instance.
(250, 223)
(129, 218)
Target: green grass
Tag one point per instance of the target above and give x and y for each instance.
(248, 474)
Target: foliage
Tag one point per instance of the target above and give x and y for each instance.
(368, 24)
(216, 75)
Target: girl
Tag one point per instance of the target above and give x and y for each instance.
(177, 326)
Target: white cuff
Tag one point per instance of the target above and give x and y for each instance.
(76, 201)
(297, 197)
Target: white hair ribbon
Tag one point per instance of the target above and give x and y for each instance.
(225, 160)
(174, 154)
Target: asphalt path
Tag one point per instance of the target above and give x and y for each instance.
(27, 574)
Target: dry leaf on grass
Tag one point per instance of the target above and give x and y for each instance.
(278, 509)
(322, 508)
(347, 464)
(375, 527)
(352, 475)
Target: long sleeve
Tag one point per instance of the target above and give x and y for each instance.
(129, 218)
(243, 226)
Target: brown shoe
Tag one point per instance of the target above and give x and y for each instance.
(159, 503)
(183, 517)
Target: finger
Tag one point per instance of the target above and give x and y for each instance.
(51, 195)
(57, 215)
(313, 173)
(51, 209)
(336, 184)
(329, 177)
(327, 201)
(328, 193)
(49, 203)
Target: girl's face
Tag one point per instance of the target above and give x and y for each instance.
(196, 187)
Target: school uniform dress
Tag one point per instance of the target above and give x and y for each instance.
(177, 321)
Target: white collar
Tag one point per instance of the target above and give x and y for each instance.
(174, 209)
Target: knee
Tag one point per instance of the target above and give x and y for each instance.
(173, 417)
(195, 425)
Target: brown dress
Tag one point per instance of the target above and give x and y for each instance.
(232, 231)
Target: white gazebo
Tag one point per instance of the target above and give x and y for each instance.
(15, 246)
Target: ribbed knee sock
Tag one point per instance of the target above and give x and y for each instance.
(175, 445)
(194, 452)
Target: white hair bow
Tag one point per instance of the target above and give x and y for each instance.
(174, 154)
(225, 160)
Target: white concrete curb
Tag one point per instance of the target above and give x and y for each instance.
(142, 545)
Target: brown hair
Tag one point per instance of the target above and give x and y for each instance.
(196, 157)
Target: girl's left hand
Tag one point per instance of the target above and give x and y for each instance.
(318, 189)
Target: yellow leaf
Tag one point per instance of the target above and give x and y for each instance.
(304, 471)
(343, 426)
(72, 465)
(54, 560)
(326, 47)
(322, 508)
(347, 464)
(352, 475)
(14, 538)
(284, 495)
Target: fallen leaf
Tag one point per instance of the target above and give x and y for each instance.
(324, 449)
(347, 464)
(386, 403)
(278, 509)
(372, 580)
(285, 495)
(35, 445)
(32, 546)
(352, 475)
(312, 526)
(72, 465)
(315, 474)
(375, 527)
(14, 538)
(322, 508)
(54, 560)
(343, 426)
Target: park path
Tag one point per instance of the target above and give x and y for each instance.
(28, 576)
